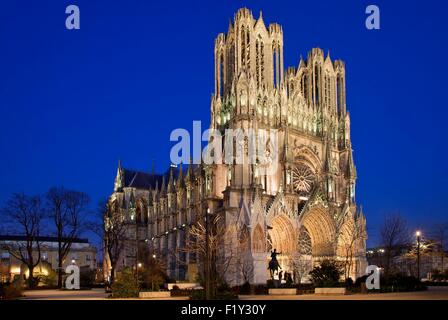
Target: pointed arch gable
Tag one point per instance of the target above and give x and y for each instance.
(258, 240)
(258, 213)
(243, 215)
(279, 206)
(305, 154)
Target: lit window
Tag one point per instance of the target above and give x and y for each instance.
(5, 255)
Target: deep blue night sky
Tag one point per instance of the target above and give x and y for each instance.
(74, 102)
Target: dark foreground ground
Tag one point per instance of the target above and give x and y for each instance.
(433, 293)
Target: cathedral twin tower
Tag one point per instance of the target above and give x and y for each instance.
(305, 209)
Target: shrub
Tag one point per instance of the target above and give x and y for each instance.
(87, 278)
(223, 292)
(223, 286)
(197, 294)
(181, 292)
(125, 286)
(154, 275)
(49, 280)
(250, 289)
(438, 276)
(261, 289)
(326, 275)
(349, 283)
(392, 283)
(10, 291)
(226, 295)
(399, 283)
(245, 288)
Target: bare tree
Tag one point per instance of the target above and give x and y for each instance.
(96, 223)
(440, 236)
(204, 241)
(301, 266)
(220, 256)
(426, 250)
(24, 214)
(350, 246)
(154, 271)
(114, 236)
(394, 237)
(239, 254)
(65, 208)
(247, 269)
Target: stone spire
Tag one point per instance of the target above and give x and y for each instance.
(163, 188)
(351, 169)
(156, 191)
(189, 175)
(119, 177)
(171, 185)
(230, 29)
(180, 178)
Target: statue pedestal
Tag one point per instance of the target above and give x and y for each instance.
(273, 283)
(282, 291)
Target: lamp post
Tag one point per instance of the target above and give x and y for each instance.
(418, 234)
(381, 251)
(139, 265)
(152, 265)
(207, 257)
(136, 251)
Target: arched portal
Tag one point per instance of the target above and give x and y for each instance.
(283, 237)
(321, 230)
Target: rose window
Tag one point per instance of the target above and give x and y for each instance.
(303, 179)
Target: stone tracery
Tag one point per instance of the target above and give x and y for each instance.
(303, 179)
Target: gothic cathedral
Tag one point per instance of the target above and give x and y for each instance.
(306, 209)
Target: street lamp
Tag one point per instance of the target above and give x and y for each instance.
(139, 265)
(207, 257)
(418, 235)
(381, 251)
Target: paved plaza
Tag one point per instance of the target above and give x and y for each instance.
(433, 293)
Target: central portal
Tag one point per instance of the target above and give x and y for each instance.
(283, 238)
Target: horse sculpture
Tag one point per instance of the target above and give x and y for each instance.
(274, 266)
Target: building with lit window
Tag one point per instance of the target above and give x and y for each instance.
(81, 253)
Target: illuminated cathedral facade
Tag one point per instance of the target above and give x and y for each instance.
(306, 208)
